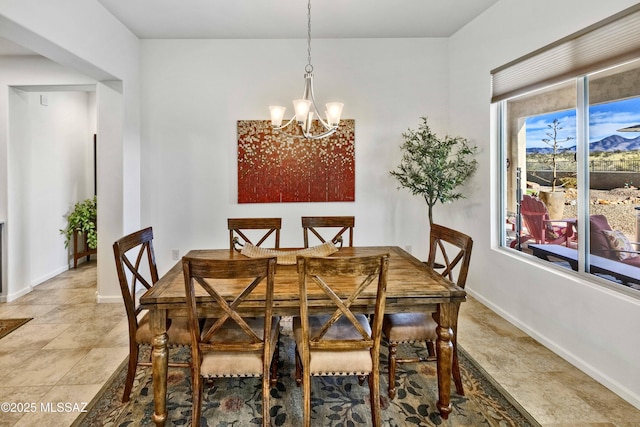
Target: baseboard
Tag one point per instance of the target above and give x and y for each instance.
(571, 358)
(109, 299)
(49, 275)
(15, 296)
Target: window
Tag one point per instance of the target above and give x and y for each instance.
(570, 148)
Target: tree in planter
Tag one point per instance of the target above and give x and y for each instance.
(555, 144)
(434, 167)
(83, 219)
(554, 200)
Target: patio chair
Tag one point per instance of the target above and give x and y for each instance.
(540, 228)
(608, 243)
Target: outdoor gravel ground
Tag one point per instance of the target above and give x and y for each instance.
(618, 205)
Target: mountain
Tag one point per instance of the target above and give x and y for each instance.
(608, 144)
(615, 143)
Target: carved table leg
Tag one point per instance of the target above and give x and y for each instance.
(444, 350)
(159, 362)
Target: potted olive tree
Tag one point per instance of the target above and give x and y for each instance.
(434, 167)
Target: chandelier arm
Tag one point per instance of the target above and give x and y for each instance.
(285, 125)
(318, 116)
(309, 93)
(320, 135)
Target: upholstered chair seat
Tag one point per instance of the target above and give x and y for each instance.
(236, 364)
(331, 362)
(409, 327)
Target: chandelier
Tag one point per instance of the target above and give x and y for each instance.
(305, 108)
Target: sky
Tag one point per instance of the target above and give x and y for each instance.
(604, 120)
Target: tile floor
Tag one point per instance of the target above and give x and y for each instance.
(51, 359)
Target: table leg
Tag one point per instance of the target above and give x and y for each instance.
(444, 351)
(159, 362)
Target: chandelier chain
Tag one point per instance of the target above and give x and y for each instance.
(309, 67)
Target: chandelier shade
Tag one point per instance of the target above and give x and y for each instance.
(305, 108)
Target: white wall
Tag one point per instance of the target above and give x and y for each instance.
(194, 91)
(17, 178)
(55, 164)
(83, 36)
(585, 323)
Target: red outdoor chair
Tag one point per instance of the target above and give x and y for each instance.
(540, 228)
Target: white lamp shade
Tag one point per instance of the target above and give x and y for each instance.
(277, 113)
(334, 111)
(302, 109)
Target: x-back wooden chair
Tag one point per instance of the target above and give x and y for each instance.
(136, 267)
(454, 249)
(343, 343)
(341, 223)
(234, 344)
(238, 231)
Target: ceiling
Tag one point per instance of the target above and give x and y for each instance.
(249, 19)
(275, 19)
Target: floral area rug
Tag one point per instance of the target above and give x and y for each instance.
(9, 325)
(336, 401)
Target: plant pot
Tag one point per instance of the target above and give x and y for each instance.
(555, 203)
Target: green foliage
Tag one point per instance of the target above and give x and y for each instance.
(434, 167)
(569, 182)
(83, 219)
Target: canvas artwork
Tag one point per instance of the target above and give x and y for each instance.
(274, 167)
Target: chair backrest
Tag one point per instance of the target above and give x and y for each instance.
(340, 224)
(136, 267)
(213, 276)
(598, 243)
(343, 280)
(534, 213)
(238, 230)
(453, 248)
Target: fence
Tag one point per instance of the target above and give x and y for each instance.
(594, 165)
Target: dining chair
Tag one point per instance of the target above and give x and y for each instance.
(238, 230)
(339, 223)
(454, 249)
(136, 267)
(232, 344)
(342, 344)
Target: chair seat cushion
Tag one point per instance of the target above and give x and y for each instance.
(409, 327)
(178, 331)
(345, 362)
(232, 363)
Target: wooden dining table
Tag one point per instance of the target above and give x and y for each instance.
(411, 286)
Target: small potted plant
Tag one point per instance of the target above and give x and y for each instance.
(83, 220)
(434, 167)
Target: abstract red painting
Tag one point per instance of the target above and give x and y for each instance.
(274, 167)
